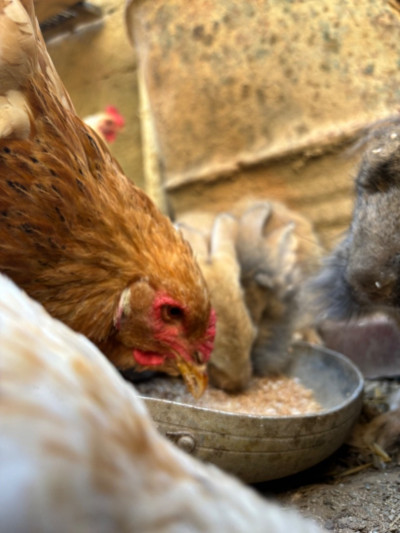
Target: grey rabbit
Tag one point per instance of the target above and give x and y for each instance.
(277, 250)
(362, 274)
(255, 261)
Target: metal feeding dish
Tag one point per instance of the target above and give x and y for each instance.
(261, 448)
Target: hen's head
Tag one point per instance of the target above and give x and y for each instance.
(167, 331)
(107, 124)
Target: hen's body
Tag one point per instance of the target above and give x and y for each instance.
(79, 453)
(75, 233)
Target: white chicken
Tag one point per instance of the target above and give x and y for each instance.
(79, 452)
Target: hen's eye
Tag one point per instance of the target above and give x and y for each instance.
(171, 312)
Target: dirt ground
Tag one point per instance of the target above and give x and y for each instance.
(344, 501)
(367, 502)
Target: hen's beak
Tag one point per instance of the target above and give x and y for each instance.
(194, 376)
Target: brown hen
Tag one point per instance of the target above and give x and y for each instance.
(77, 235)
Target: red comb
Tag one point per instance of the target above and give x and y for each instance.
(119, 119)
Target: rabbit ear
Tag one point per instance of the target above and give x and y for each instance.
(285, 243)
(223, 235)
(256, 216)
(251, 227)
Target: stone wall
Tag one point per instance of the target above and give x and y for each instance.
(265, 98)
(261, 98)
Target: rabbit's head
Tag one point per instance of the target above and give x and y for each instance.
(363, 272)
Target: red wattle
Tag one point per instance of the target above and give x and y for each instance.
(148, 358)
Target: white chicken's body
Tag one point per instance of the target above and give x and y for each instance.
(79, 453)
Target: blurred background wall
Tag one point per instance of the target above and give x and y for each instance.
(265, 98)
(96, 62)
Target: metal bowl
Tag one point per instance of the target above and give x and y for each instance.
(261, 448)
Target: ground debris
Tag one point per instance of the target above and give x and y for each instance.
(356, 490)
